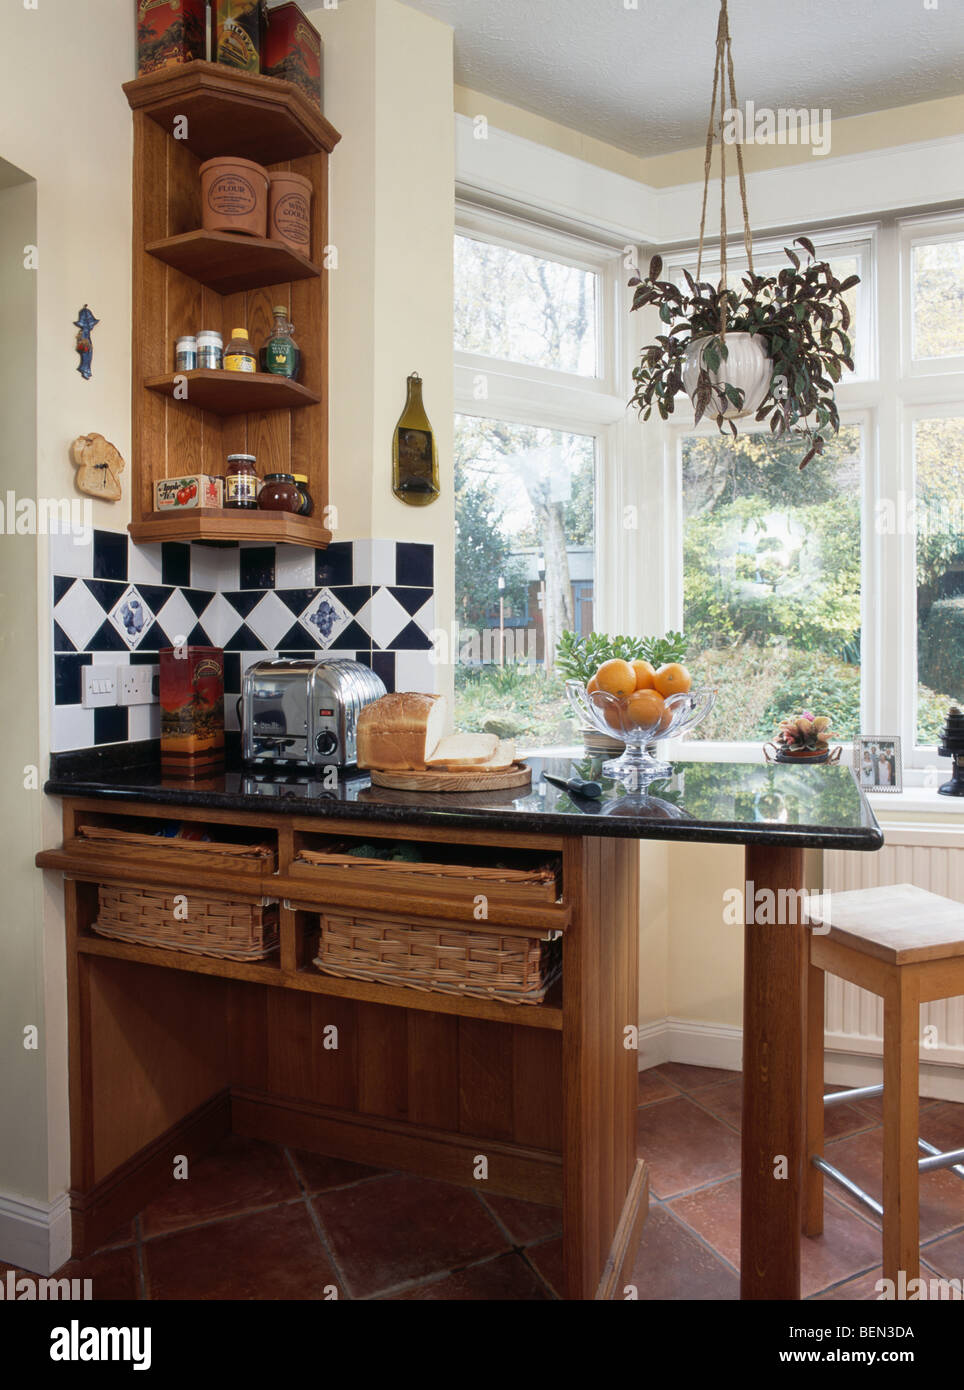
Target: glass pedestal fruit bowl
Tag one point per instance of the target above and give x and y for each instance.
(638, 720)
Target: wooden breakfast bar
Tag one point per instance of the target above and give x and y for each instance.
(170, 1050)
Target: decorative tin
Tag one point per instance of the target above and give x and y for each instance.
(192, 708)
(170, 32)
(193, 490)
(238, 34)
(293, 50)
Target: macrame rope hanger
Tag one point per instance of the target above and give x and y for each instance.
(723, 82)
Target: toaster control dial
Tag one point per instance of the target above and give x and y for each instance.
(326, 742)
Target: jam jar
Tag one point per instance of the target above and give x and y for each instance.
(308, 506)
(241, 482)
(280, 493)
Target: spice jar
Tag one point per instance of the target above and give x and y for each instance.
(301, 481)
(280, 493)
(241, 482)
(209, 349)
(239, 354)
(185, 354)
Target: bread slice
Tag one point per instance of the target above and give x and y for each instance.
(463, 750)
(399, 731)
(502, 758)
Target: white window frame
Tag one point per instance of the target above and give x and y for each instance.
(497, 389)
(923, 231)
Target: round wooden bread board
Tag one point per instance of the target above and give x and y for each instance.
(518, 775)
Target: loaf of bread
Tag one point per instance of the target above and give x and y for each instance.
(400, 731)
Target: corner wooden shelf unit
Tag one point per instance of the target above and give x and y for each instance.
(186, 279)
(170, 1051)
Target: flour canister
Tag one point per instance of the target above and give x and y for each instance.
(234, 196)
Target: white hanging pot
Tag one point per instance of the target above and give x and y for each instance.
(748, 366)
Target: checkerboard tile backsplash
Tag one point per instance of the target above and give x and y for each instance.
(117, 603)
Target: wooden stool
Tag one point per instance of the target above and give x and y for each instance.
(907, 946)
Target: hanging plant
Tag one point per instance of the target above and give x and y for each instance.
(775, 351)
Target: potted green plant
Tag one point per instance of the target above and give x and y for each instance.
(775, 349)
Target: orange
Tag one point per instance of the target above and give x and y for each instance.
(645, 709)
(592, 685)
(673, 679)
(644, 674)
(616, 677)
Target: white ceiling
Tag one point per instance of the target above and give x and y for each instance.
(640, 78)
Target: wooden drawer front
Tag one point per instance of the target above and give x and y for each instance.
(486, 962)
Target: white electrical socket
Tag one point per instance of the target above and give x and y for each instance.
(100, 686)
(138, 685)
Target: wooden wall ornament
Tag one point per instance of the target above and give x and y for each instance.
(99, 465)
(85, 323)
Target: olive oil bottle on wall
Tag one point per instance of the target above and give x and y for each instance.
(414, 451)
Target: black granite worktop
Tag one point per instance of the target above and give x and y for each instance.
(818, 807)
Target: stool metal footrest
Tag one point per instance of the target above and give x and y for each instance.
(857, 1093)
(952, 1159)
(852, 1187)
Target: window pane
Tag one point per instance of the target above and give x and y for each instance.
(525, 514)
(937, 293)
(771, 578)
(524, 308)
(939, 515)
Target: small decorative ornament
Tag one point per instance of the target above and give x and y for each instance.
(85, 323)
(877, 762)
(99, 466)
(804, 738)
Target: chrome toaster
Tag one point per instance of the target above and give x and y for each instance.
(304, 712)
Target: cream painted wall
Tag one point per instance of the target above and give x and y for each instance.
(903, 125)
(388, 88)
(65, 122)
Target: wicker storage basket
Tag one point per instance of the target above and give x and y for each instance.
(454, 960)
(538, 883)
(214, 926)
(205, 854)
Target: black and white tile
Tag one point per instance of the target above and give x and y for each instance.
(117, 602)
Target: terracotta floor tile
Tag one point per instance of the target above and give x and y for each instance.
(875, 1107)
(688, 1078)
(114, 1274)
(861, 1158)
(267, 1255)
(319, 1172)
(684, 1146)
(673, 1264)
(525, 1221)
(651, 1085)
(943, 1125)
(547, 1259)
(398, 1228)
(847, 1246)
(726, 1102)
(240, 1175)
(860, 1289)
(507, 1278)
(946, 1256)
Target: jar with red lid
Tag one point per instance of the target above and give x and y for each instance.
(280, 493)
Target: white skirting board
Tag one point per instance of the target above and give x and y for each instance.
(34, 1236)
(716, 1045)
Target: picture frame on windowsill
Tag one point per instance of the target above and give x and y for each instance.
(877, 764)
